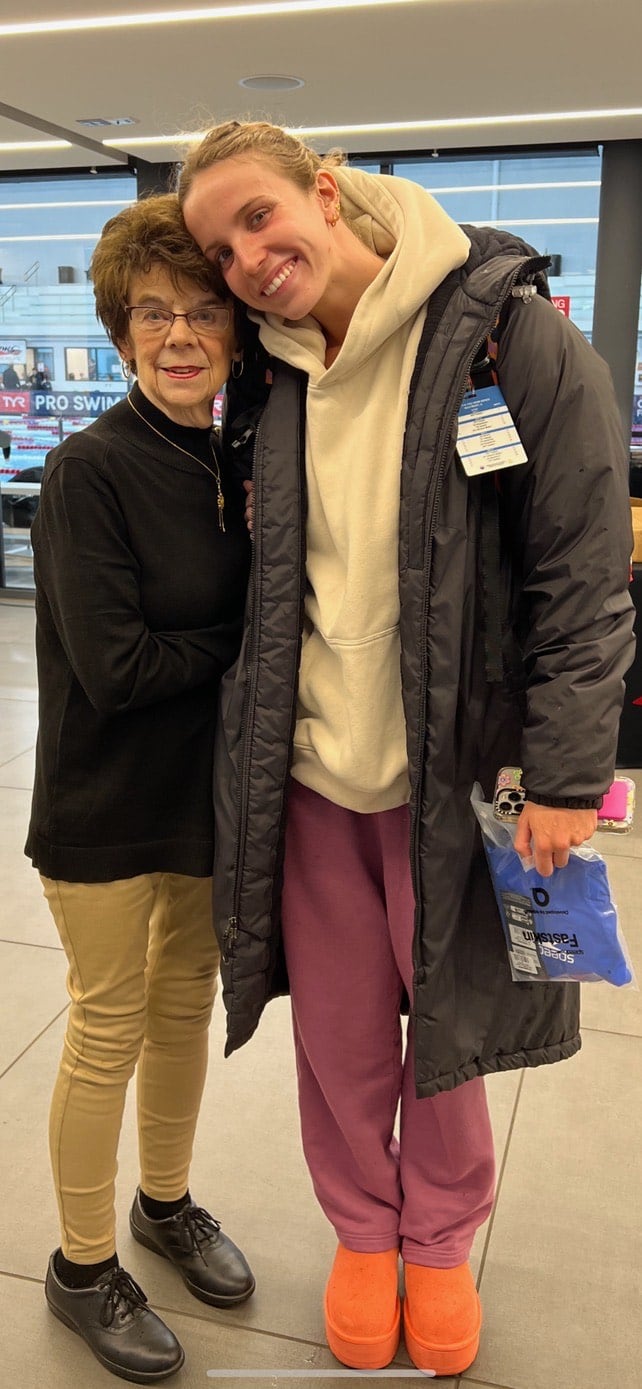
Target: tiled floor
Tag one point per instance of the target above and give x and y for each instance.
(560, 1263)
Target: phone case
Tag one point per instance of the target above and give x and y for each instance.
(615, 816)
(509, 794)
(618, 807)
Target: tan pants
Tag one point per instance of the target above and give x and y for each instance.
(143, 965)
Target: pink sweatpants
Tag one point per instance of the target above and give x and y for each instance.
(348, 928)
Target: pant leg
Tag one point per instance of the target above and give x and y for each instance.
(103, 928)
(447, 1163)
(346, 993)
(182, 971)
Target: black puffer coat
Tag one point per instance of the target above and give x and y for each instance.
(564, 622)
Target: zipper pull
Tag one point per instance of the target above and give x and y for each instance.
(524, 292)
(229, 939)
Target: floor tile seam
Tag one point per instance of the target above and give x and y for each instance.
(258, 1331)
(500, 1179)
(483, 1383)
(172, 1311)
(33, 944)
(32, 1043)
(610, 1032)
(13, 758)
(169, 1310)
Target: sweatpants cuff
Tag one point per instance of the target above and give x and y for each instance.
(369, 1244)
(422, 1254)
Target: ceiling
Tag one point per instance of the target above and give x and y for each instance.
(415, 61)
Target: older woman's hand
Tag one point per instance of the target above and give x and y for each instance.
(249, 506)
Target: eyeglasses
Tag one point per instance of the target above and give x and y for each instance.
(209, 320)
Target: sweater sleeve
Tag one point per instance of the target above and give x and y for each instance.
(88, 574)
(569, 523)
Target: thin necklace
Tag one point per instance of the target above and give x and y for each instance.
(215, 471)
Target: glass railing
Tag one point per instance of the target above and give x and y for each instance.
(19, 504)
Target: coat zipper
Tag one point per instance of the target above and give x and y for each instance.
(231, 930)
(302, 584)
(448, 420)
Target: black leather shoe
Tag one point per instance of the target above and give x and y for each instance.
(209, 1264)
(113, 1317)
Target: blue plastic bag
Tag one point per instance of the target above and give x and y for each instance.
(560, 928)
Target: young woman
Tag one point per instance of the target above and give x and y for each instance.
(141, 562)
(410, 629)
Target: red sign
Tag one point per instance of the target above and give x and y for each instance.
(15, 402)
(563, 303)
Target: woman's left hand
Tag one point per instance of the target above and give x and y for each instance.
(249, 506)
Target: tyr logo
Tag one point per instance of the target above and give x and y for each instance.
(540, 897)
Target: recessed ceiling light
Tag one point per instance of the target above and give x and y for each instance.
(271, 83)
(106, 120)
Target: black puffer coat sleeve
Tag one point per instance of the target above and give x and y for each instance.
(567, 520)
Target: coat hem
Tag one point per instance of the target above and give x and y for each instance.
(510, 1061)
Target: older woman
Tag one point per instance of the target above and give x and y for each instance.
(141, 560)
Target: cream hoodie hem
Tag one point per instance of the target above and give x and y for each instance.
(350, 738)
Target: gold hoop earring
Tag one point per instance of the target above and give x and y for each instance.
(337, 213)
(126, 369)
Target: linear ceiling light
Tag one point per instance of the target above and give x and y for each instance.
(36, 207)
(504, 187)
(397, 127)
(18, 146)
(185, 16)
(541, 222)
(458, 122)
(59, 236)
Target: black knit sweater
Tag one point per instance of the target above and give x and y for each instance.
(139, 600)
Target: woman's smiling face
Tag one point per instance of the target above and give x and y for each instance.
(270, 238)
(179, 369)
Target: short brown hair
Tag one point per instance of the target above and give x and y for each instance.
(150, 232)
(258, 140)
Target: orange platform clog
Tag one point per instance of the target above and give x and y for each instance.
(442, 1318)
(362, 1308)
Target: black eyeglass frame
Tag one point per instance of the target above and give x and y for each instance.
(167, 315)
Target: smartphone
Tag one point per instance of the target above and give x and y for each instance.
(615, 815)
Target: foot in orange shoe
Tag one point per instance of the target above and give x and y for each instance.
(362, 1308)
(442, 1318)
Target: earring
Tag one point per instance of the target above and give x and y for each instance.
(126, 368)
(239, 364)
(336, 214)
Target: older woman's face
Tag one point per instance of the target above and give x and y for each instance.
(180, 366)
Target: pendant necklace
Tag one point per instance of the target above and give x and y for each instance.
(215, 471)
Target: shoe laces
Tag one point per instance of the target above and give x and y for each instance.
(122, 1295)
(199, 1227)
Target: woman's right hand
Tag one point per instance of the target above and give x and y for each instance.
(249, 505)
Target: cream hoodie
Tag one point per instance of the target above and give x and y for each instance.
(350, 739)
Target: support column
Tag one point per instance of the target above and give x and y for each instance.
(152, 178)
(619, 268)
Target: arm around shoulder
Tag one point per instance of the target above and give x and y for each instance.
(89, 578)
